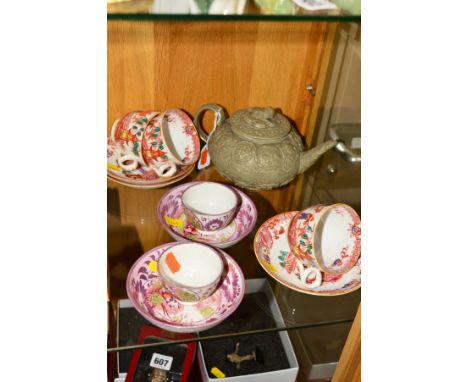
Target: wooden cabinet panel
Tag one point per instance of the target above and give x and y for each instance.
(349, 366)
(237, 64)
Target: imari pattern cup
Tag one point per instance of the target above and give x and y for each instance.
(154, 152)
(170, 139)
(326, 237)
(127, 133)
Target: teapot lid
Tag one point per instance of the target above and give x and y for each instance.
(260, 124)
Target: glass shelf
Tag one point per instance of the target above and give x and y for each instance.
(268, 10)
(258, 313)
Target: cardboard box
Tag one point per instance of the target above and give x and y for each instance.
(284, 375)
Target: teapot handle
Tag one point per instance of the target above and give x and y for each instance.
(220, 117)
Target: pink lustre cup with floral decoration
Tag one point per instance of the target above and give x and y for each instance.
(191, 271)
(127, 133)
(210, 206)
(326, 237)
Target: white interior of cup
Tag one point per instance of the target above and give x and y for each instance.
(175, 136)
(333, 235)
(209, 198)
(199, 265)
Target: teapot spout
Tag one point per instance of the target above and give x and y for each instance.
(309, 157)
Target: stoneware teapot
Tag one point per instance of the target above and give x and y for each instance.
(257, 148)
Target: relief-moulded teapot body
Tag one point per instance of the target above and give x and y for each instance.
(257, 148)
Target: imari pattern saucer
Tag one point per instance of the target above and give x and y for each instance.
(274, 255)
(151, 299)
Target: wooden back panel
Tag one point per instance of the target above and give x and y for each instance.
(236, 64)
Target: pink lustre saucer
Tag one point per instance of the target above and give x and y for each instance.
(151, 299)
(142, 177)
(171, 215)
(274, 255)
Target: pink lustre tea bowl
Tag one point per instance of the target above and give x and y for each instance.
(210, 206)
(170, 212)
(191, 271)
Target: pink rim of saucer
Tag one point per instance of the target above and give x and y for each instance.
(226, 243)
(202, 324)
(193, 135)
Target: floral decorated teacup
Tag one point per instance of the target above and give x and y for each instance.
(191, 271)
(127, 132)
(326, 237)
(210, 206)
(180, 137)
(153, 150)
(170, 139)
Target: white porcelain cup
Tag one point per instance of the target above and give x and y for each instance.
(210, 206)
(191, 271)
